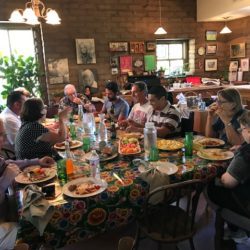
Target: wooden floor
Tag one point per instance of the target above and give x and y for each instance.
(203, 239)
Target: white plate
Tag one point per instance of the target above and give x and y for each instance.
(102, 159)
(210, 142)
(100, 182)
(215, 154)
(163, 166)
(76, 144)
(23, 179)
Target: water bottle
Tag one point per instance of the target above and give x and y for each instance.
(80, 115)
(72, 129)
(150, 137)
(94, 163)
(102, 130)
(188, 144)
(89, 123)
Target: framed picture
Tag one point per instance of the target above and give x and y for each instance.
(89, 77)
(211, 49)
(58, 71)
(244, 64)
(114, 62)
(237, 50)
(125, 64)
(211, 35)
(118, 46)
(211, 64)
(233, 66)
(137, 47)
(85, 51)
(150, 46)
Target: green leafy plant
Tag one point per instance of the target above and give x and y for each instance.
(20, 72)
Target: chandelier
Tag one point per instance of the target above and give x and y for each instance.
(35, 10)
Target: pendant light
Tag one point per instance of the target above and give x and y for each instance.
(160, 30)
(225, 30)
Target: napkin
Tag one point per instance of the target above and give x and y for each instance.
(36, 209)
(155, 179)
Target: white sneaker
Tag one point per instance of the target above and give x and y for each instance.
(238, 236)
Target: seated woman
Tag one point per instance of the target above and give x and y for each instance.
(232, 189)
(222, 117)
(87, 92)
(33, 140)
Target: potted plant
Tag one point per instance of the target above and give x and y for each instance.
(20, 72)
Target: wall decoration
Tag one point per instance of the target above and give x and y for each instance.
(137, 47)
(233, 65)
(125, 64)
(211, 35)
(211, 49)
(211, 64)
(138, 64)
(244, 64)
(150, 62)
(88, 77)
(201, 51)
(150, 46)
(58, 71)
(232, 76)
(118, 46)
(114, 64)
(237, 50)
(85, 51)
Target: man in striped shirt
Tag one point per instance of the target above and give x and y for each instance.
(165, 116)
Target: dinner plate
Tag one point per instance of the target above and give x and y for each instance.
(164, 167)
(76, 144)
(78, 181)
(215, 154)
(210, 142)
(102, 159)
(22, 178)
(169, 145)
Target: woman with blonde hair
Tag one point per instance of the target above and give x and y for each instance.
(222, 117)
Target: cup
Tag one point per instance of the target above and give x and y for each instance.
(153, 154)
(61, 171)
(86, 144)
(188, 144)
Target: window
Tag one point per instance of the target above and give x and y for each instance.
(15, 40)
(171, 56)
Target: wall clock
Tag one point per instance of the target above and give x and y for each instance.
(201, 51)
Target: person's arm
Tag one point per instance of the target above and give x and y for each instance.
(11, 127)
(124, 112)
(228, 180)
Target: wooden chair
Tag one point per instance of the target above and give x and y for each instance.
(8, 154)
(170, 221)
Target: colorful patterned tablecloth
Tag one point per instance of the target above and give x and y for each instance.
(79, 219)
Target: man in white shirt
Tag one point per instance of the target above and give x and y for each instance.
(138, 114)
(10, 116)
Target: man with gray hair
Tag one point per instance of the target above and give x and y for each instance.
(139, 112)
(73, 99)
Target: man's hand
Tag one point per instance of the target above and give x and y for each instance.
(212, 109)
(46, 161)
(77, 100)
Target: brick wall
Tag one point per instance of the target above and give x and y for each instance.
(125, 20)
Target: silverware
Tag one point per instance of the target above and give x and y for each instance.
(118, 178)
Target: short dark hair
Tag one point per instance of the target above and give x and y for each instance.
(32, 110)
(14, 96)
(244, 119)
(141, 85)
(158, 91)
(113, 86)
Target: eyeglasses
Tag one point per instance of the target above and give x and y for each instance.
(241, 129)
(221, 102)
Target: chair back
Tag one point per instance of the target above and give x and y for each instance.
(177, 209)
(8, 154)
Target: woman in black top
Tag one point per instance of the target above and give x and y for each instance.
(33, 140)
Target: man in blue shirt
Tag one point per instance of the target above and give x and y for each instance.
(114, 106)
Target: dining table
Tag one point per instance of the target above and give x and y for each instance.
(76, 219)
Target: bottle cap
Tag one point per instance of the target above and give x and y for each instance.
(149, 125)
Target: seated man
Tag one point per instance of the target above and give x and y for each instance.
(142, 107)
(11, 116)
(114, 106)
(165, 116)
(73, 99)
(8, 171)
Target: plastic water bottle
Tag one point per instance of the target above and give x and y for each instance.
(102, 130)
(80, 115)
(150, 137)
(89, 123)
(94, 163)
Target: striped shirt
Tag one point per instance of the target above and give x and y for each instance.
(169, 117)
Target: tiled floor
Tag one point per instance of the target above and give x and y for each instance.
(203, 239)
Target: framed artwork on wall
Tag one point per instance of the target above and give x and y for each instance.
(211, 64)
(150, 46)
(58, 71)
(233, 65)
(211, 35)
(125, 64)
(211, 49)
(137, 47)
(244, 64)
(85, 51)
(237, 50)
(118, 46)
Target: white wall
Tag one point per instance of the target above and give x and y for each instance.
(214, 10)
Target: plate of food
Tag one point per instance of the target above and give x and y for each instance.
(169, 145)
(215, 154)
(137, 135)
(164, 167)
(35, 174)
(72, 145)
(84, 187)
(210, 142)
(129, 146)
